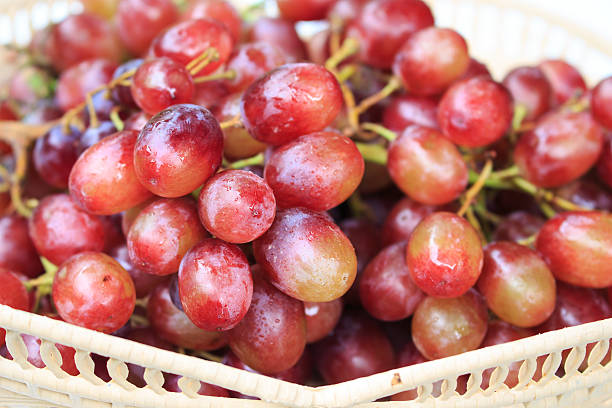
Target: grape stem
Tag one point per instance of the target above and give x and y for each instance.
(360, 209)
(473, 220)
(380, 130)
(512, 171)
(393, 85)
(528, 241)
(114, 117)
(546, 195)
(349, 47)
(91, 109)
(229, 74)
(256, 160)
(374, 153)
(46, 279)
(233, 122)
(200, 62)
(476, 187)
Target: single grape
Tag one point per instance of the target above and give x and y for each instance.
(561, 148)
(59, 228)
(321, 318)
(77, 81)
(604, 165)
(72, 41)
(251, 61)
(403, 218)
(566, 80)
(407, 110)
(475, 69)
(13, 294)
(291, 101)
(280, 33)
(215, 285)
(93, 135)
(236, 206)
(345, 11)
(128, 216)
(430, 60)
(426, 166)
(383, 26)
(92, 290)
(300, 10)
(444, 255)
(517, 226)
(185, 41)
(317, 171)
(144, 283)
(357, 348)
(577, 246)
(530, 88)
(160, 83)
(172, 325)
(307, 256)
(272, 336)
(219, 10)
(446, 327)
(178, 150)
(475, 112)
(237, 143)
(500, 332)
(55, 153)
(517, 285)
(587, 194)
(386, 288)
(162, 233)
(122, 94)
(139, 22)
(601, 100)
(103, 180)
(17, 251)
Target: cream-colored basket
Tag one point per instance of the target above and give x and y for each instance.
(538, 37)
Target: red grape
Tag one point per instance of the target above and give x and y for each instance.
(17, 251)
(317, 171)
(517, 285)
(577, 246)
(77, 81)
(178, 150)
(137, 121)
(13, 294)
(565, 80)
(81, 37)
(475, 112)
(162, 234)
(518, 226)
(188, 40)
(103, 180)
(446, 327)
(128, 216)
(444, 255)
(210, 94)
(251, 61)
(238, 143)
(59, 228)
(122, 94)
(382, 27)
(55, 153)
(291, 101)
(215, 285)
(500, 332)
(139, 22)
(219, 10)
(604, 165)
(236, 206)
(93, 135)
(172, 325)
(601, 102)
(403, 219)
(530, 88)
(476, 68)
(280, 33)
(92, 290)
(321, 318)
(304, 10)
(160, 83)
(357, 348)
(562, 147)
(407, 110)
(426, 166)
(345, 11)
(430, 60)
(144, 283)
(386, 288)
(587, 194)
(307, 256)
(272, 336)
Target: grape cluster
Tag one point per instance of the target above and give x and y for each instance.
(360, 200)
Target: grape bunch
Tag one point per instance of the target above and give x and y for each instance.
(313, 209)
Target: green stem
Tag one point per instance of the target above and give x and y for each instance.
(486, 214)
(114, 117)
(520, 112)
(548, 211)
(46, 279)
(229, 74)
(349, 47)
(528, 241)
(512, 171)
(393, 85)
(380, 130)
(346, 72)
(491, 183)
(546, 195)
(374, 153)
(256, 160)
(359, 209)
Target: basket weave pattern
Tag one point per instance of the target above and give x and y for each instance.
(570, 376)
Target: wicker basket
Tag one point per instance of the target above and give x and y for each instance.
(22, 384)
